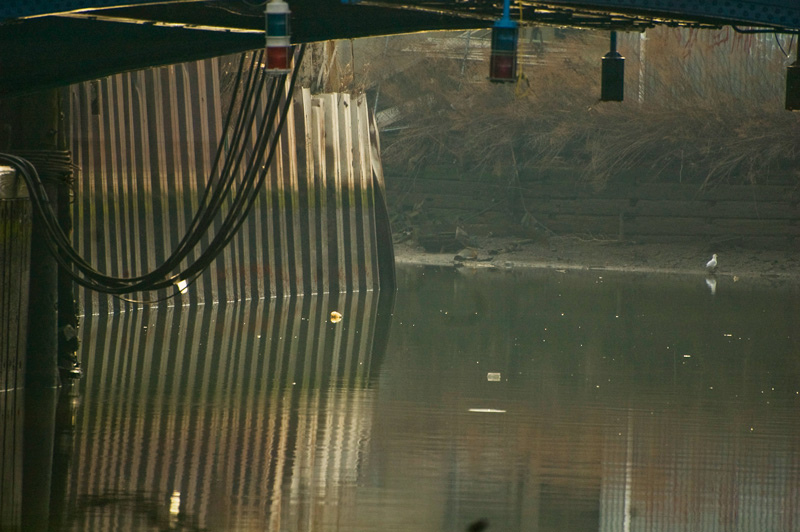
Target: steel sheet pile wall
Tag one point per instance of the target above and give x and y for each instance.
(280, 406)
(145, 142)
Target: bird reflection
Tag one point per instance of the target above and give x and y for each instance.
(712, 285)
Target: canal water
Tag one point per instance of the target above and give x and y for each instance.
(497, 400)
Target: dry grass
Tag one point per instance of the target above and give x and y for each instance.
(712, 110)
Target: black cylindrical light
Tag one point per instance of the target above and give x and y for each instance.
(793, 83)
(612, 85)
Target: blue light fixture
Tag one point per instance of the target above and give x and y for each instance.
(503, 60)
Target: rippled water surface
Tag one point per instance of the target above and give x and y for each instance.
(538, 401)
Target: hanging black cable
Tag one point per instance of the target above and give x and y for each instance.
(212, 203)
(222, 181)
(249, 190)
(61, 241)
(248, 202)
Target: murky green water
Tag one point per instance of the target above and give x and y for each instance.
(539, 401)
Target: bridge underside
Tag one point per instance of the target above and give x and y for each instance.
(88, 39)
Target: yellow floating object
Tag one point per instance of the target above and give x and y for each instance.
(335, 317)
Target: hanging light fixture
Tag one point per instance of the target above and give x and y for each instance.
(279, 47)
(612, 83)
(793, 82)
(503, 61)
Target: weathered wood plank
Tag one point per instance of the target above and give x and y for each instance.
(659, 192)
(708, 209)
(757, 213)
(656, 225)
(577, 190)
(768, 210)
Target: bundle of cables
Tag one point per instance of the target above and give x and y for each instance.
(236, 168)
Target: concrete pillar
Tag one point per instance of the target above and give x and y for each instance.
(31, 122)
(15, 237)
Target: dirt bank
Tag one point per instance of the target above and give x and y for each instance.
(565, 253)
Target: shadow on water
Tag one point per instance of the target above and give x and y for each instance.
(538, 401)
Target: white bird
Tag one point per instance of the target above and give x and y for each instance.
(712, 264)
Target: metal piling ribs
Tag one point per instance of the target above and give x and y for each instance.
(312, 229)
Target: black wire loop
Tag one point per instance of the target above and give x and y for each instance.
(236, 167)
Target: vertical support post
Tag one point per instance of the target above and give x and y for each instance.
(39, 431)
(793, 82)
(642, 66)
(67, 315)
(33, 122)
(383, 229)
(15, 241)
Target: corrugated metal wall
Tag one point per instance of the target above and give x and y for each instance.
(235, 408)
(144, 142)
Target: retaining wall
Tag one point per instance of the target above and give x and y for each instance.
(144, 143)
(748, 215)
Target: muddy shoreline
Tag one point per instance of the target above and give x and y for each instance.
(574, 253)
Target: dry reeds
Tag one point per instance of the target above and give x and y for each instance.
(702, 107)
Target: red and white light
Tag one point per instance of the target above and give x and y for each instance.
(503, 60)
(279, 47)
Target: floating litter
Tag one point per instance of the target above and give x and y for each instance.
(493, 377)
(336, 317)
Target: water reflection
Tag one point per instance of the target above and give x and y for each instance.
(534, 401)
(220, 417)
(624, 403)
(711, 282)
